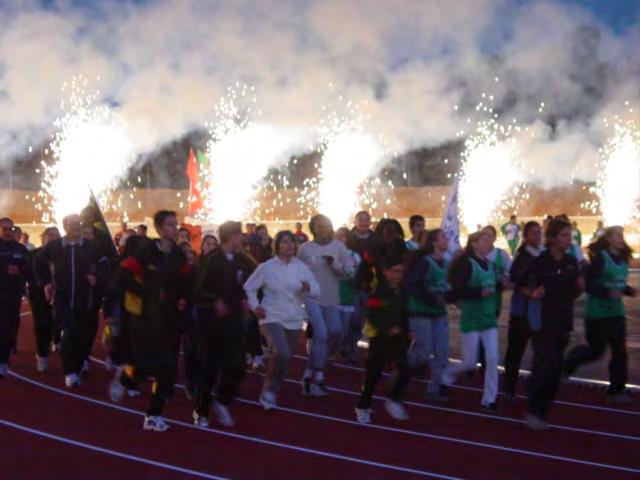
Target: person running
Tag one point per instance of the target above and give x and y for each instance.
(501, 264)
(474, 283)
(553, 282)
(188, 341)
(365, 242)
(71, 272)
(388, 331)
(326, 257)
(262, 250)
(429, 290)
(352, 331)
(606, 284)
(121, 233)
(24, 239)
(223, 312)
(416, 225)
(141, 230)
(284, 280)
(511, 230)
(15, 272)
(44, 326)
(301, 237)
(155, 280)
(519, 334)
(392, 243)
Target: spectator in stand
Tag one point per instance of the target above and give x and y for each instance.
(141, 230)
(209, 244)
(24, 239)
(184, 236)
(417, 226)
(300, 236)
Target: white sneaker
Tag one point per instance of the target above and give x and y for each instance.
(318, 390)
(42, 364)
(536, 423)
(224, 417)
(200, 421)
(72, 380)
(133, 392)
(116, 389)
(109, 365)
(85, 368)
(363, 415)
(396, 410)
(155, 423)
(3, 370)
(268, 400)
(258, 363)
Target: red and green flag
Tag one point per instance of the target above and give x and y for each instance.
(197, 172)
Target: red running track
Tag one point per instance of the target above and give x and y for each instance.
(81, 434)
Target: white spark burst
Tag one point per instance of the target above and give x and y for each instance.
(490, 176)
(618, 185)
(240, 152)
(91, 152)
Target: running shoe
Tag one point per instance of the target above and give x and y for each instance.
(268, 400)
(71, 380)
(224, 416)
(200, 420)
(319, 390)
(42, 364)
(535, 422)
(363, 415)
(155, 423)
(117, 391)
(306, 386)
(396, 410)
(3, 370)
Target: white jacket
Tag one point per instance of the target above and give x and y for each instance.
(281, 283)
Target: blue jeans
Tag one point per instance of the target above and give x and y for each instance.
(327, 331)
(431, 346)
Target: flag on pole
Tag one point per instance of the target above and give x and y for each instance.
(198, 173)
(450, 221)
(102, 237)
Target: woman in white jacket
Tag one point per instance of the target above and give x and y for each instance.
(285, 282)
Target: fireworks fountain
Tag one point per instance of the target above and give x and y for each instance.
(350, 155)
(240, 151)
(91, 152)
(618, 185)
(490, 176)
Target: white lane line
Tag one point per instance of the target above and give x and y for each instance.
(107, 451)
(434, 436)
(481, 415)
(238, 436)
(474, 389)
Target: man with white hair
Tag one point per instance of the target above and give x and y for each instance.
(73, 288)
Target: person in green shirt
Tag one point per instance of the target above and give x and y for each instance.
(511, 230)
(473, 282)
(428, 289)
(351, 328)
(606, 281)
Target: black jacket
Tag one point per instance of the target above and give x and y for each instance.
(12, 286)
(559, 278)
(67, 267)
(369, 251)
(387, 308)
(416, 287)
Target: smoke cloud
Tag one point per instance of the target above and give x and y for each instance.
(164, 63)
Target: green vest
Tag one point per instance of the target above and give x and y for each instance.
(436, 283)
(479, 314)
(614, 277)
(572, 250)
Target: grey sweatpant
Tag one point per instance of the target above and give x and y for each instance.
(283, 344)
(431, 346)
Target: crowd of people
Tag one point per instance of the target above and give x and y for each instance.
(246, 297)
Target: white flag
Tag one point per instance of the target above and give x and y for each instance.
(450, 221)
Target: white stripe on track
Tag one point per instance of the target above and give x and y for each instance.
(238, 436)
(435, 436)
(474, 389)
(107, 451)
(480, 415)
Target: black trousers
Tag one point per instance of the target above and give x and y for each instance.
(517, 339)
(222, 361)
(548, 350)
(254, 339)
(383, 353)
(77, 339)
(121, 353)
(9, 322)
(44, 327)
(601, 332)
